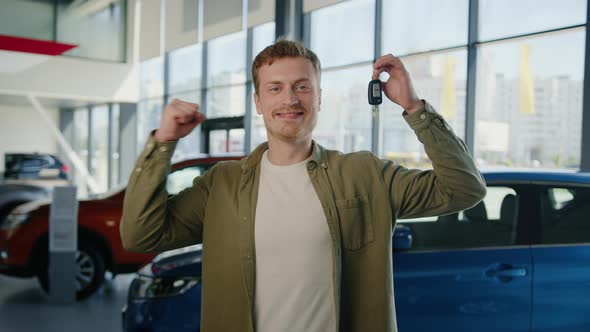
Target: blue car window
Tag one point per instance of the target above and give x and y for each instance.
(33, 164)
(565, 213)
(491, 223)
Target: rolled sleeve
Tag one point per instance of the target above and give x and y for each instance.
(453, 184)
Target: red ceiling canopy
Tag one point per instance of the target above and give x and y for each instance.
(37, 46)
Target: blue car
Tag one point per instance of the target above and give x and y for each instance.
(518, 261)
(166, 293)
(34, 166)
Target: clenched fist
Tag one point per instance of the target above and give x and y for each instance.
(179, 119)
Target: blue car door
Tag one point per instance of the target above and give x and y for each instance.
(466, 271)
(561, 258)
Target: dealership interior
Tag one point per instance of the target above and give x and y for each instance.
(83, 84)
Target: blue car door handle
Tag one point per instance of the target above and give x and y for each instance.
(511, 273)
(505, 272)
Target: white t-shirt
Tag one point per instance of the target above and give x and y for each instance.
(294, 269)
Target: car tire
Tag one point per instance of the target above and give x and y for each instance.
(90, 271)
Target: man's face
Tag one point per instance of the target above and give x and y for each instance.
(288, 98)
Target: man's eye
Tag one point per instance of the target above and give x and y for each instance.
(274, 89)
(302, 87)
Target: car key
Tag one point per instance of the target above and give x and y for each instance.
(375, 94)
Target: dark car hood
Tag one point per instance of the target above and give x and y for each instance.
(183, 262)
(10, 192)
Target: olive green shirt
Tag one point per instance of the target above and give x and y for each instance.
(361, 195)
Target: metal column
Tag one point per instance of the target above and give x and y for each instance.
(471, 76)
(585, 162)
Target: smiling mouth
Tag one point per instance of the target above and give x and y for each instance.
(290, 115)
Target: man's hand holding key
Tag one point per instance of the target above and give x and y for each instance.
(179, 119)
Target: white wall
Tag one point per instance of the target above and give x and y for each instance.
(65, 77)
(23, 130)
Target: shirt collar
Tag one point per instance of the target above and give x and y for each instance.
(318, 156)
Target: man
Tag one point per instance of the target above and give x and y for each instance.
(296, 237)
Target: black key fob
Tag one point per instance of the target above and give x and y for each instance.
(375, 94)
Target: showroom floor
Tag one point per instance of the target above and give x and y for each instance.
(25, 308)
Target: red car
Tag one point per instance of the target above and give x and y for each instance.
(24, 234)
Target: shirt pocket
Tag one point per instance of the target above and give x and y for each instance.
(356, 223)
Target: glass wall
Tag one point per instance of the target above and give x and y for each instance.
(38, 23)
(224, 89)
(80, 134)
(151, 78)
(431, 52)
(149, 115)
(80, 145)
(223, 101)
(528, 89)
(262, 36)
(528, 92)
(100, 145)
(440, 78)
(184, 69)
(344, 122)
(443, 24)
(540, 15)
(226, 76)
(185, 83)
(97, 30)
(90, 141)
(529, 101)
(350, 21)
(115, 159)
(151, 92)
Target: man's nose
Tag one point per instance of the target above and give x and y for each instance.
(290, 98)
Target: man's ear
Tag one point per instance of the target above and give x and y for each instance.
(257, 103)
(320, 101)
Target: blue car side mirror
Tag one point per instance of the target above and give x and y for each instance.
(402, 238)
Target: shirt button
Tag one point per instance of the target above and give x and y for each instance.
(163, 149)
(244, 219)
(138, 169)
(422, 116)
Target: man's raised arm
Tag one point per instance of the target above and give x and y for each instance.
(455, 183)
(151, 221)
